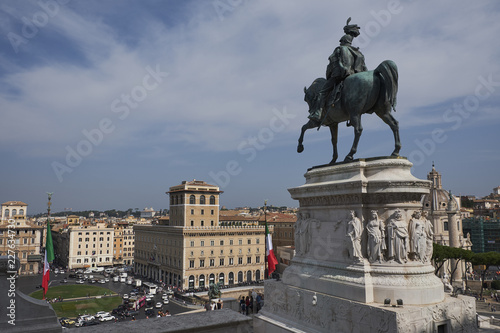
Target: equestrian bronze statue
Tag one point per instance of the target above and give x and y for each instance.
(349, 91)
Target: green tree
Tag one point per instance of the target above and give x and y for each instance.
(486, 259)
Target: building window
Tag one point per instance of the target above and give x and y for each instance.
(202, 223)
(212, 262)
(446, 226)
(230, 242)
(191, 263)
(212, 200)
(221, 262)
(212, 212)
(257, 259)
(202, 243)
(240, 261)
(257, 240)
(192, 243)
(192, 199)
(249, 241)
(231, 261)
(202, 262)
(249, 260)
(240, 241)
(202, 200)
(192, 211)
(221, 242)
(202, 212)
(192, 223)
(212, 243)
(212, 223)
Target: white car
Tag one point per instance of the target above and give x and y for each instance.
(102, 281)
(107, 318)
(106, 280)
(101, 314)
(79, 281)
(87, 318)
(165, 301)
(164, 296)
(158, 305)
(125, 296)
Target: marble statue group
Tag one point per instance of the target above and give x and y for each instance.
(395, 239)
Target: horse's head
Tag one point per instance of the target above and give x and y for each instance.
(311, 93)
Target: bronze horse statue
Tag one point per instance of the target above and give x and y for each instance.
(364, 92)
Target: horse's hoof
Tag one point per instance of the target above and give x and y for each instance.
(300, 148)
(395, 154)
(332, 162)
(348, 158)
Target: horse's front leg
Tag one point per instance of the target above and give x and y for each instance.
(358, 129)
(308, 125)
(334, 131)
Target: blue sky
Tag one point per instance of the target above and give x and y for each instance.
(109, 103)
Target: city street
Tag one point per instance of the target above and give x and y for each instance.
(28, 284)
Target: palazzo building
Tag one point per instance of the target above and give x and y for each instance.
(192, 250)
(21, 237)
(83, 246)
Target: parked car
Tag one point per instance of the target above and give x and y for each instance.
(107, 318)
(101, 281)
(90, 323)
(101, 314)
(131, 313)
(66, 321)
(64, 281)
(79, 281)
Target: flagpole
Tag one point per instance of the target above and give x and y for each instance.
(265, 241)
(49, 251)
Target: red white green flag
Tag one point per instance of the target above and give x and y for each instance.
(49, 256)
(271, 258)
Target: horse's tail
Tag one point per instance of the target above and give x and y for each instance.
(388, 72)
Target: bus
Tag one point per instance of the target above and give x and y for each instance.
(150, 288)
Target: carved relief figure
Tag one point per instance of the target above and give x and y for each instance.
(418, 239)
(354, 230)
(376, 237)
(429, 236)
(397, 238)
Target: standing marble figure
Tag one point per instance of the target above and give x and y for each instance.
(354, 230)
(376, 237)
(397, 235)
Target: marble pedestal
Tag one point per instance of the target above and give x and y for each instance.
(344, 266)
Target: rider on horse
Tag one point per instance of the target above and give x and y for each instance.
(344, 61)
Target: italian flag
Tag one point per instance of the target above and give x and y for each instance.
(49, 256)
(271, 258)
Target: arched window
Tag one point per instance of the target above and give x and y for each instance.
(257, 275)
(14, 212)
(192, 200)
(211, 279)
(212, 199)
(6, 213)
(191, 282)
(249, 276)
(21, 211)
(231, 278)
(202, 200)
(240, 277)
(171, 200)
(202, 281)
(221, 279)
